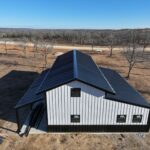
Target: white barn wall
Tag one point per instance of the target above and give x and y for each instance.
(92, 107)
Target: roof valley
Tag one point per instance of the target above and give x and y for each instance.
(98, 68)
(106, 79)
(43, 81)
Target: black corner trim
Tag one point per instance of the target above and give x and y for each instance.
(148, 122)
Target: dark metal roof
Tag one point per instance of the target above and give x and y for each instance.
(75, 65)
(124, 92)
(30, 96)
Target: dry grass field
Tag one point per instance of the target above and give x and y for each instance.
(16, 74)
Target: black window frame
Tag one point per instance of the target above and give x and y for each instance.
(73, 92)
(137, 120)
(121, 118)
(75, 118)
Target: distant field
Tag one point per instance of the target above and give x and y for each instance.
(17, 73)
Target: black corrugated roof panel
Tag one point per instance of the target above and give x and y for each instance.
(75, 65)
(30, 96)
(60, 73)
(88, 72)
(124, 92)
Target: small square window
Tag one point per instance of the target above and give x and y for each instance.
(75, 92)
(137, 118)
(75, 118)
(121, 118)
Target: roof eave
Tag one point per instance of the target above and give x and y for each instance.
(130, 103)
(20, 106)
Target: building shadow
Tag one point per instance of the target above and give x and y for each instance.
(12, 87)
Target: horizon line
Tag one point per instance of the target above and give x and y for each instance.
(34, 28)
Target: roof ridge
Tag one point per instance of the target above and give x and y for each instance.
(75, 63)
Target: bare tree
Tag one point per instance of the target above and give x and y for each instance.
(47, 48)
(92, 44)
(25, 41)
(111, 43)
(35, 42)
(145, 42)
(6, 46)
(132, 54)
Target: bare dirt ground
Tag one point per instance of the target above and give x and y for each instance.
(20, 44)
(16, 74)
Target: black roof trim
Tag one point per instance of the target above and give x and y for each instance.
(75, 79)
(20, 106)
(57, 85)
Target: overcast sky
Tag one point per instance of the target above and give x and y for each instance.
(93, 14)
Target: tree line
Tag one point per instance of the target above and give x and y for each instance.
(82, 37)
(129, 39)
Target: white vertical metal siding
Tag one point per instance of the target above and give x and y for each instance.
(92, 107)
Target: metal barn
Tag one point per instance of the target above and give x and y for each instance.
(79, 96)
